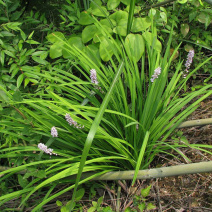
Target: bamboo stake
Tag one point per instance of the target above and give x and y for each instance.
(198, 122)
(192, 168)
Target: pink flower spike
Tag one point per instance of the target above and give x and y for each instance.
(54, 132)
(44, 148)
(157, 72)
(93, 77)
(72, 122)
(189, 59)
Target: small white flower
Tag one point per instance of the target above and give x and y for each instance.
(44, 148)
(54, 132)
(188, 63)
(72, 122)
(189, 59)
(94, 80)
(157, 72)
(93, 77)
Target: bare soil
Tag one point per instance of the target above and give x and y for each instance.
(189, 192)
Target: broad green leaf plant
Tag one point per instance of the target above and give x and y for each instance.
(91, 40)
(104, 116)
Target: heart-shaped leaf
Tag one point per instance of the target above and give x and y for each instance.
(75, 42)
(135, 46)
(152, 41)
(105, 50)
(126, 2)
(55, 51)
(140, 24)
(112, 4)
(184, 29)
(121, 27)
(53, 37)
(88, 33)
(85, 18)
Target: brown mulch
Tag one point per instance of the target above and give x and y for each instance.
(189, 192)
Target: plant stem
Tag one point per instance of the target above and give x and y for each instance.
(208, 1)
(79, 4)
(118, 198)
(166, 2)
(22, 114)
(131, 14)
(157, 5)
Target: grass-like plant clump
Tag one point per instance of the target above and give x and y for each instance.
(112, 109)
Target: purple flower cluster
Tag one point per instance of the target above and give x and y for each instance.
(72, 122)
(47, 150)
(94, 80)
(157, 72)
(188, 62)
(93, 77)
(189, 59)
(54, 132)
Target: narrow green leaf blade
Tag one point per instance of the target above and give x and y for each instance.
(141, 155)
(94, 127)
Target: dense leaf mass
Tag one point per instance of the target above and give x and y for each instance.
(99, 86)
